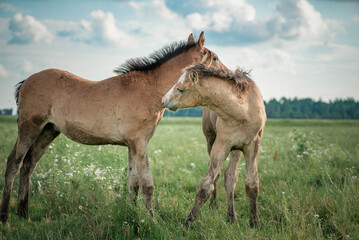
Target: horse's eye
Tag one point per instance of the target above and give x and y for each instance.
(180, 90)
(215, 58)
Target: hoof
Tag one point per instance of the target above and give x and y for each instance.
(3, 220)
(187, 224)
(231, 218)
(213, 204)
(254, 223)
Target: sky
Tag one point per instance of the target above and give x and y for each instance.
(293, 48)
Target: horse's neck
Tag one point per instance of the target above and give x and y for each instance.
(225, 102)
(169, 73)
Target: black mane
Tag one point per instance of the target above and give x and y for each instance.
(155, 59)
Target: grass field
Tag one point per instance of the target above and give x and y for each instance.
(310, 191)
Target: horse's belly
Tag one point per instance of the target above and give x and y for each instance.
(90, 135)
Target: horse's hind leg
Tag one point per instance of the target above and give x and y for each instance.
(251, 152)
(28, 132)
(230, 180)
(31, 158)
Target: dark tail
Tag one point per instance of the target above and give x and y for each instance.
(17, 90)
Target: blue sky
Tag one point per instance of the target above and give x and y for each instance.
(295, 48)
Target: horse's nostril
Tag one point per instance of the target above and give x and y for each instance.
(163, 101)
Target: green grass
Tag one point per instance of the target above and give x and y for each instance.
(310, 191)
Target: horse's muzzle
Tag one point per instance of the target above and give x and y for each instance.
(168, 103)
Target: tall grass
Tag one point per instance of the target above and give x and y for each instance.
(309, 191)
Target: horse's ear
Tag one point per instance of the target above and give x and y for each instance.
(193, 76)
(191, 39)
(208, 59)
(201, 40)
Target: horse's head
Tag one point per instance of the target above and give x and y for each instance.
(200, 54)
(184, 94)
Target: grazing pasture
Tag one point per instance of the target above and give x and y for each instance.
(308, 171)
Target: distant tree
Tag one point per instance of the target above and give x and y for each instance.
(6, 111)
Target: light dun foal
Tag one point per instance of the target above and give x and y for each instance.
(235, 125)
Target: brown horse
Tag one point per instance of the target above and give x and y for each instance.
(121, 110)
(233, 123)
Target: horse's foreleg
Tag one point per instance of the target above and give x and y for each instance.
(218, 156)
(28, 166)
(230, 180)
(144, 172)
(133, 178)
(251, 152)
(214, 202)
(210, 138)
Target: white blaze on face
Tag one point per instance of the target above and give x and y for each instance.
(180, 80)
(168, 94)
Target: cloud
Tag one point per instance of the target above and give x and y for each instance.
(221, 15)
(237, 21)
(356, 19)
(28, 67)
(295, 19)
(260, 60)
(7, 7)
(102, 29)
(157, 23)
(152, 23)
(26, 29)
(3, 71)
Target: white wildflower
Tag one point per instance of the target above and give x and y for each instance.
(157, 151)
(40, 175)
(193, 165)
(80, 207)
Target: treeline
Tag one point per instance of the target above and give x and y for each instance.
(296, 108)
(308, 108)
(6, 111)
(190, 112)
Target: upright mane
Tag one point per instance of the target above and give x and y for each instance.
(155, 59)
(240, 77)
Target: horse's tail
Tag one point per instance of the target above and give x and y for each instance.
(17, 91)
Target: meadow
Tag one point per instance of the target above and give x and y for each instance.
(310, 190)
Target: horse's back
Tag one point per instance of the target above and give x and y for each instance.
(40, 92)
